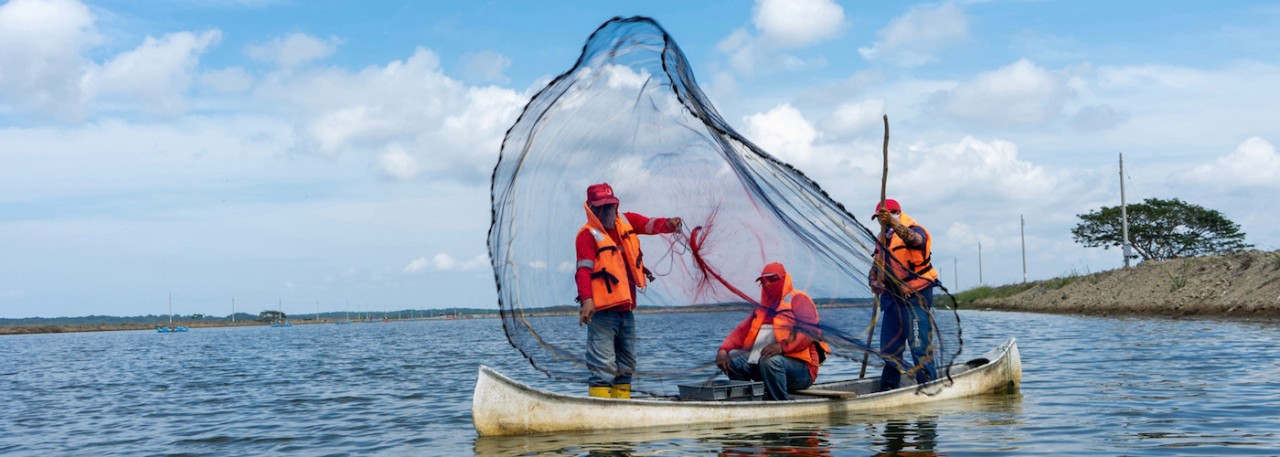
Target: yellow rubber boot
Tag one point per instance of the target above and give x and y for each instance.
(600, 392)
(622, 391)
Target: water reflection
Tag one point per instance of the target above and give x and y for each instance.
(807, 443)
(917, 438)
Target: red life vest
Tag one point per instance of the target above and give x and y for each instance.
(912, 267)
(783, 319)
(616, 264)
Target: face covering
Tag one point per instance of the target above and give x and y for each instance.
(770, 294)
(607, 215)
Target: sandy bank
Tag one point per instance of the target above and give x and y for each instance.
(1237, 285)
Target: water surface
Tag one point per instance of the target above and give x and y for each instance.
(1091, 386)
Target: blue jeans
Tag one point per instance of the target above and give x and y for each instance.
(779, 373)
(906, 322)
(611, 348)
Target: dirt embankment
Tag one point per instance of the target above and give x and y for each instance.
(1236, 285)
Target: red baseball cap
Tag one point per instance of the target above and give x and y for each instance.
(773, 269)
(600, 194)
(890, 204)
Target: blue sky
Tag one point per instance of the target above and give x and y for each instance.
(336, 154)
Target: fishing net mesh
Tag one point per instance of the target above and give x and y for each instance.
(629, 113)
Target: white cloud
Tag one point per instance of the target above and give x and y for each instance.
(41, 55)
(396, 162)
(855, 117)
(1020, 95)
(793, 23)
(1254, 163)
(624, 77)
(293, 50)
(448, 129)
(974, 169)
(480, 261)
(227, 80)
(784, 132)
(446, 262)
(159, 72)
(485, 67)
(913, 38)
(1094, 118)
(782, 24)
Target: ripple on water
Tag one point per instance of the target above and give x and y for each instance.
(1091, 386)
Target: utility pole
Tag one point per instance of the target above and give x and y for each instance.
(233, 309)
(955, 273)
(1124, 217)
(1023, 229)
(980, 281)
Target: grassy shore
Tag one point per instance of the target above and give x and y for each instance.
(1245, 285)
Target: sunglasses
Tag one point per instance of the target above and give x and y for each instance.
(767, 279)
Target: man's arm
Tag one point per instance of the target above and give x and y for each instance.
(915, 237)
(738, 336)
(653, 226)
(585, 246)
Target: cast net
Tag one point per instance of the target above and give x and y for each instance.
(629, 113)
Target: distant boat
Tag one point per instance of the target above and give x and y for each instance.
(171, 328)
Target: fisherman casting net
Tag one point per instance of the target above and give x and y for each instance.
(630, 114)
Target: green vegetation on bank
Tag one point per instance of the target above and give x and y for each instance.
(967, 297)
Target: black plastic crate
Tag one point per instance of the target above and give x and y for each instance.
(723, 390)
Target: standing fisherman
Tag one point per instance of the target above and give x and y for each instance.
(610, 268)
(903, 278)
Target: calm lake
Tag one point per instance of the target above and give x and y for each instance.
(1091, 386)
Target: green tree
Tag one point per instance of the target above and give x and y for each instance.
(271, 316)
(1162, 229)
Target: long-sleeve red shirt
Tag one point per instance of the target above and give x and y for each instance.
(586, 247)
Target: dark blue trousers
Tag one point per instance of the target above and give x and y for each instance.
(906, 323)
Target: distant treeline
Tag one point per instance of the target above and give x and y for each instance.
(160, 319)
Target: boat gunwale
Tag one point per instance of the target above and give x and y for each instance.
(993, 362)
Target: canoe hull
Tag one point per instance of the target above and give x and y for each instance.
(504, 407)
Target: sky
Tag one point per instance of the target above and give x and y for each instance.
(331, 155)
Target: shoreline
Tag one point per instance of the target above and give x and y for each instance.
(1244, 285)
(1241, 285)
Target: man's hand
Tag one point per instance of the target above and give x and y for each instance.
(770, 350)
(587, 310)
(722, 360)
(887, 218)
(675, 223)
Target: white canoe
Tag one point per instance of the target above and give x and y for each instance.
(504, 407)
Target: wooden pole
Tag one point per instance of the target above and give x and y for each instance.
(875, 306)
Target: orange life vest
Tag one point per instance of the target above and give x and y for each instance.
(615, 265)
(784, 328)
(913, 267)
